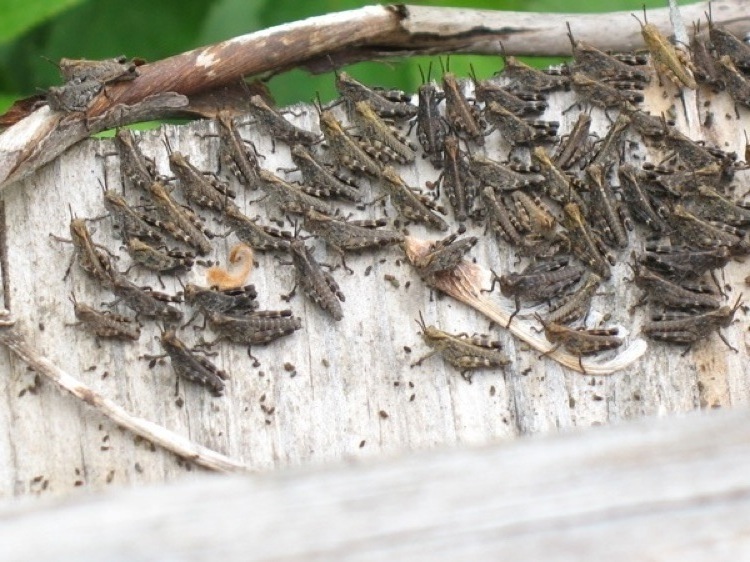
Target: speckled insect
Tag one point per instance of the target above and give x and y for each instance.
(464, 352)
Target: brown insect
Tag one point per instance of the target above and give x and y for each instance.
(258, 327)
(558, 185)
(159, 260)
(409, 203)
(638, 200)
(501, 177)
(692, 328)
(584, 243)
(75, 96)
(320, 178)
(574, 146)
(463, 116)
(237, 154)
(682, 262)
(464, 352)
(132, 224)
(576, 305)
(291, 198)
(318, 285)
(601, 66)
(519, 103)
(350, 236)
(346, 150)
(259, 237)
(735, 82)
(708, 204)
(610, 148)
(443, 255)
(612, 215)
(538, 282)
(187, 364)
(203, 189)
(456, 179)
(431, 127)
(726, 44)
(702, 234)
(93, 258)
(387, 143)
(105, 324)
(184, 220)
(525, 78)
(104, 71)
(278, 128)
(580, 341)
(236, 302)
(137, 168)
(385, 106)
(669, 293)
(667, 59)
(144, 301)
(517, 131)
(603, 94)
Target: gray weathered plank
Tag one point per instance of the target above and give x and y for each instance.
(655, 489)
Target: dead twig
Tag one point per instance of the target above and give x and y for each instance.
(13, 339)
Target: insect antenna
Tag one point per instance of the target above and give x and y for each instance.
(421, 323)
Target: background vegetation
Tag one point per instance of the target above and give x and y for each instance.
(31, 30)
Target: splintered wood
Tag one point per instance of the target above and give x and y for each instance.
(335, 372)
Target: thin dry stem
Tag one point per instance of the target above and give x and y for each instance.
(11, 337)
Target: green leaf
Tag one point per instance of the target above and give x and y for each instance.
(230, 18)
(18, 16)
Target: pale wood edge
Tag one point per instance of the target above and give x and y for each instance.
(652, 489)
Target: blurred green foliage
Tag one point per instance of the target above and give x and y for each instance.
(33, 30)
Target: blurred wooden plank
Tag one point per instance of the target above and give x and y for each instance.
(652, 489)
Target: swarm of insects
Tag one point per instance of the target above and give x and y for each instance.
(572, 204)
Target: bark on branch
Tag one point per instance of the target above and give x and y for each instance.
(333, 40)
